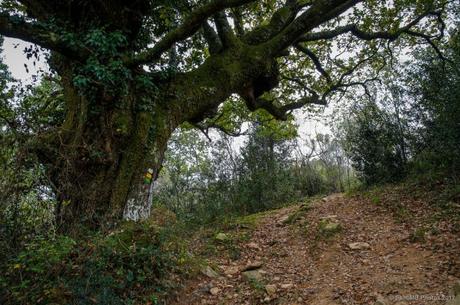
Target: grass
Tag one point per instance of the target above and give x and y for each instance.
(257, 286)
(418, 235)
(252, 220)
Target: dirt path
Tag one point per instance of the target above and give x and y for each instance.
(306, 259)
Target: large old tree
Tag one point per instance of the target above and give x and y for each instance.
(132, 71)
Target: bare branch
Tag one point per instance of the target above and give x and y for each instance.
(390, 36)
(341, 84)
(315, 60)
(354, 30)
(204, 130)
(429, 40)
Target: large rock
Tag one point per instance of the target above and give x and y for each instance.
(252, 266)
(270, 289)
(209, 272)
(359, 246)
(253, 275)
(380, 300)
(222, 237)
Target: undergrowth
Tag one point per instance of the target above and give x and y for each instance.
(438, 192)
(137, 263)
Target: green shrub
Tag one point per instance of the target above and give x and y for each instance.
(128, 266)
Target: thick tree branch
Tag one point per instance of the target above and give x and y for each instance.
(429, 41)
(280, 19)
(320, 12)
(238, 21)
(213, 40)
(281, 112)
(189, 27)
(35, 8)
(226, 34)
(17, 27)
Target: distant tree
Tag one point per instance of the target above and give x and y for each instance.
(265, 179)
(26, 206)
(370, 137)
(434, 90)
(187, 172)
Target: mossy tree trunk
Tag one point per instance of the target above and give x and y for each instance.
(103, 154)
(106, 150)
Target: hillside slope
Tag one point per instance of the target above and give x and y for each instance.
(337, 250)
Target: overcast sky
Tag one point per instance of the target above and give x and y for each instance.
(15, 58)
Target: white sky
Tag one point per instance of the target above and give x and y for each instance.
(15, 59)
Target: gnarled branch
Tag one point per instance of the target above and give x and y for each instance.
(354, 30)
(280, 20)
(212, 39)
(281, 112)
(224, 30)
(189, 27)
(318, 13)
(315, 61)
(237, 17)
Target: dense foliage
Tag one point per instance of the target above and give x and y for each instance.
(135, 264)
(372, 140)
(418, 131)
(434, 87)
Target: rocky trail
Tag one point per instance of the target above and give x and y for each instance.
(336, 250)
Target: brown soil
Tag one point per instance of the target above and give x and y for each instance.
(308, 267)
